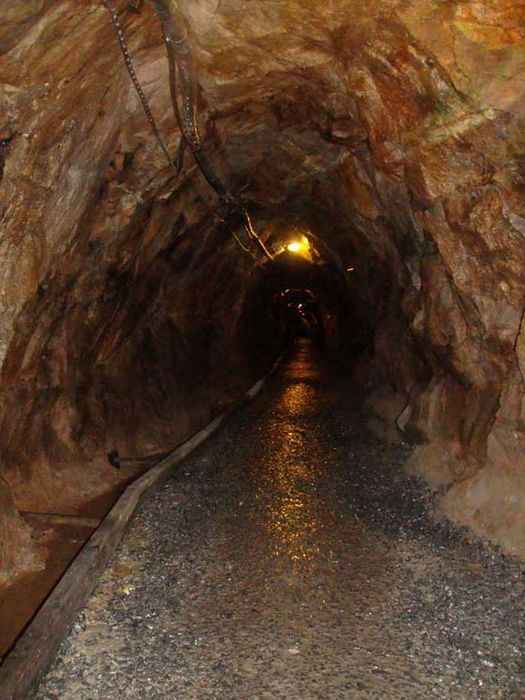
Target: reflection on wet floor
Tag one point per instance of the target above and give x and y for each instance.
(293, 519)
(286, 468)
(291, 558)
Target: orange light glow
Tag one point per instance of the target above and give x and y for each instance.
(300, 246)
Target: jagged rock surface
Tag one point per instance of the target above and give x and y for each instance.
(393, 131)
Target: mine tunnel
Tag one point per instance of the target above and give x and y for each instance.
(302, 224)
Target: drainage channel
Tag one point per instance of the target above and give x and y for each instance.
(64, 589)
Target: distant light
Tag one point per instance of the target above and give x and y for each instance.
(350, 269)
(301, 245)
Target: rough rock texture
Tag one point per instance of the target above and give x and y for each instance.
(18, 553)
(392, 130)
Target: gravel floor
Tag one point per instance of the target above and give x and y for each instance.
(291, 558)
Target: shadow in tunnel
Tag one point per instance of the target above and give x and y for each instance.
(302, 293)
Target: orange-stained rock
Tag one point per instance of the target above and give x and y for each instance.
(393, 130)
(18, 553)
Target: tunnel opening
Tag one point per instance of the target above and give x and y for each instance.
(384, 178)
(302, 291)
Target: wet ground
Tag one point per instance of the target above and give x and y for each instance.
(291, 558)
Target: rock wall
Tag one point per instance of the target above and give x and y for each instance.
(398, 130)
(119, 296)
(392, 130)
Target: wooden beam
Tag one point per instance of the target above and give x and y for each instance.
(36, 648)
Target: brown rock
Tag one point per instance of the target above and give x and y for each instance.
(392, 131)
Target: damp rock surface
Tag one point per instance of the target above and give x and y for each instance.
(291, 557)
(392, 130)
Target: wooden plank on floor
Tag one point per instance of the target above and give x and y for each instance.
(35, 650)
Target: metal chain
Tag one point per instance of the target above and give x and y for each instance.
(178, 165)
(134, 79)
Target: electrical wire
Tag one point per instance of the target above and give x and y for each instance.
(180, 62)
(136, 83)
(194, 141)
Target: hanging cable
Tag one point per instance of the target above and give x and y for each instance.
(180, 62)
(178, 163)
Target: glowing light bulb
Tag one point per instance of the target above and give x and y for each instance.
(300, 245)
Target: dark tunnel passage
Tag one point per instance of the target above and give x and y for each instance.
(247, 177)
(302, 291)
